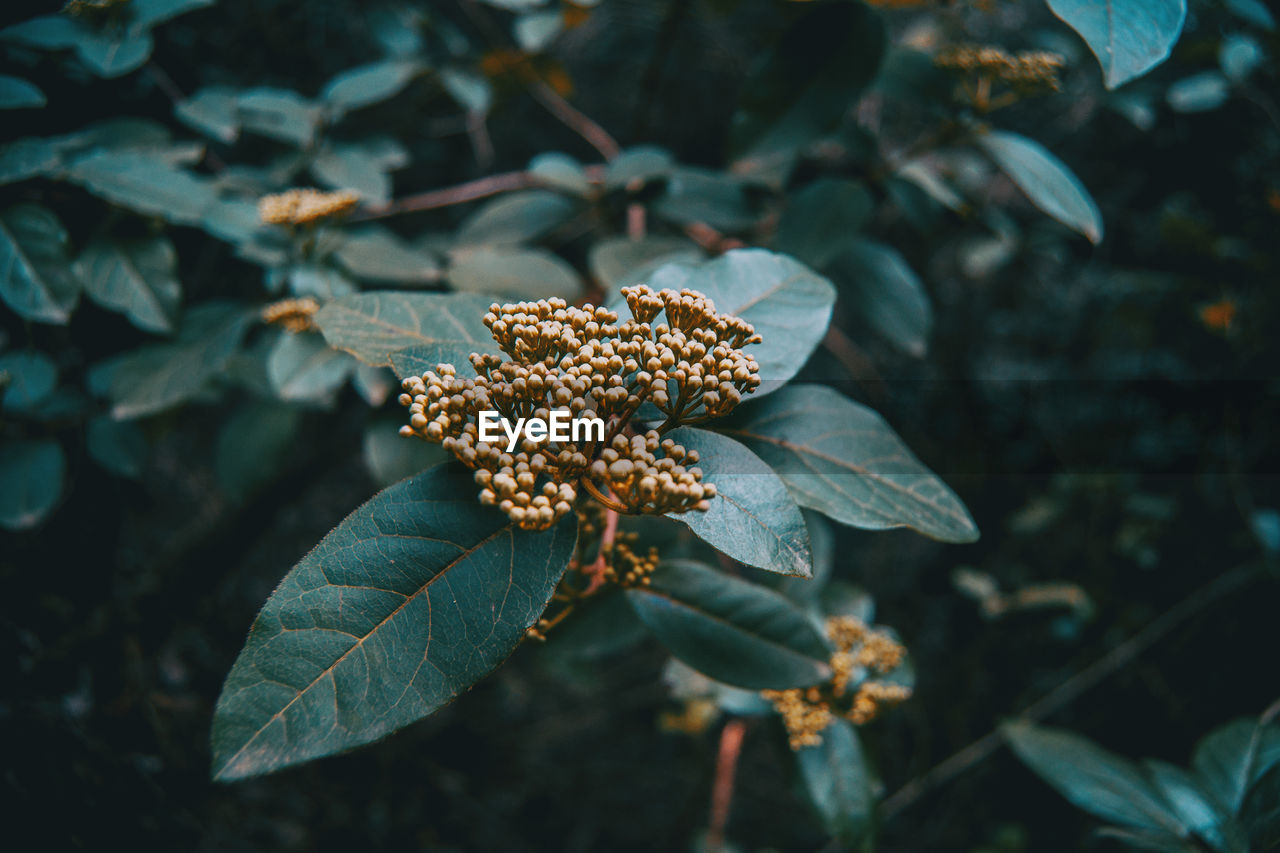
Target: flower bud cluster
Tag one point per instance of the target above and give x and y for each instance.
(292, 315)
(1029, 70)
(852, 693)
(303, 206)
(584, 361)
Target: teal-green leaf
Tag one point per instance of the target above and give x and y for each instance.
(16, 93)
(471, 91)
(51, 32)
(318, 280)
(251, 446)
(213, 111)
(302, 368)
(369, 84)
(118, 446)
(148, 13)
(1046, 180)
(731, 630)
(1189, 800)
(788, 303)
(876, 282)
(1260, 812)
(37, 278)
(638, 165)
(280, 114)
(112, 53)
(26, 158)
(842, 459)
(514, 273)
(619, 262)
(26, 379)
(821, 220)
(518, 217)
(31, 474)
(839, 783)
(753, 517)
(1199, 93)
(1102, 784)
(557, 171)
(1129, 37)
(138, 278)
(390, 456)
(1231, 758)
(375, 254)
(373, 325)
(408, 602)
(138, 180)
(696, 196)
(350, 167)
(535, 30)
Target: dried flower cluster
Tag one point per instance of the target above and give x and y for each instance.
(304, 206)
(1035, 70)
(584, 361)
(292, 315)
(852, 693)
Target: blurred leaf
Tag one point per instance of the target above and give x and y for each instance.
(752, 518)
(375, 254)
(640, 164)
(788, 304)
(1201, 92)
(118, 446)
(349, 167)
(1102, 784)
(26, 379)
(157, 377)
(251, 446)
(113, 52)
(842, 459)
(878, 285)
(1253, 11)
(148, 13)
(141, 182)
(1239, 56)
(728, 629)
(822, 219)
(1046, 180)
(472, 92)
(374, 384)
(390, 457)
(415, 361)
(1231, 758)
(1260, 812)
(517, 217)
(373, 325)
(16, 93)
(280, 114)
(302, 368)
(213, 111)
(1129, 37)
(618, 262)
(361, 639)
(535, 30)
(52, 32)
(514, 273)
(31, 474)
(561, 172)
(137, 278)
(703, 196)
(318, 280)
(1190, 802)
(37, 279)
(26, 158)
(839, 783)
(369, 84)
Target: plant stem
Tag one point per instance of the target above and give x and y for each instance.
(459, 194)
(731, 737)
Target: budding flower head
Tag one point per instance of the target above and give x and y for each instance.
(304, 206)
(292, 315)
(1027, 72)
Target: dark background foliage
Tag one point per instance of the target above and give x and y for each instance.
(1099, 432)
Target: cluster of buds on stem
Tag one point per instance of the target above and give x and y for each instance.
(853, 692)
(588, 364)
(305, 206)
(1026, 73)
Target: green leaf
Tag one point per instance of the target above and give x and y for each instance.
(1129, 37)
(351, 167)
(1239, 56)
(390, 456)
(302, 368)
(409, 601)
(373, 325)
(375, 254)
(374, 384)
(1254, 12)
(514, 273)
(26, 158)
(703, 196)
(37, 279)
(1046, 180)
(557, 171)
(886, 294)
(1190, 802)
(26, 379)
(213, 111)
(1198, 93)
(319, 280)
(839, 783)
(1260, 812)
(52, 32)
(1102, 784)
(369, 84)
(280, 114)
(788, 303)
(138, 180)
(1231, 758)
(115, 52)
(518, 217)
(731, 630)
(148, 13)
(415, 361)
(118, 446)
(638, 165)
(535, 30)
(471, 91)
(251, 446)
(137, 278)
(842, 459)
(31, 474)
(821, 220)
(16, 93)
(619, 262)
(157, 377)
(752, 518)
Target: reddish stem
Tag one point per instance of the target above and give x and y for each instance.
(470, 191)
(597, 569)
(722, 791)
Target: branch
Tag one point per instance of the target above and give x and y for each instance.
(433, 199)
(575, 120)
(722, 791)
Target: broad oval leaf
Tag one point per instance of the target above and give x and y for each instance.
(118, 446)
(369, 84)
(1231, 758)
(876, 282)
(349, 167)
(31, 474)
(731, 630)
(788, 303)
(138, 278)
(37, 279)
(252, 445)
(1129, 37)
(140, 181)
(753, 517)
(1046, 180)
(842, 459)
(517, 217)
(514, 273)
(26, 379)
(1102, 784)
(213, 111)
(303, 368)
(839, 783)
(373, 325)
(390, 456)
(409, 601)
(704, 196)
(559, 171)
(281, 114)
(111, 53)
(375, 254)
(16, 93)
(619, 262)
(1188, 799)
(822, 219)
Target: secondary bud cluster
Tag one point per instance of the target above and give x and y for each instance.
(853, 692)
(584, 361)
(1028, 70)
(303, 206)
(292, 315)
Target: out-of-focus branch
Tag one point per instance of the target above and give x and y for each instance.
(722, 791)
(574, 119)
(459, 194)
